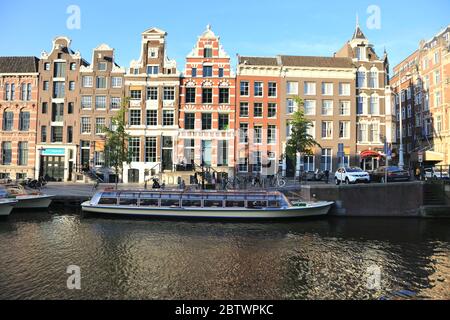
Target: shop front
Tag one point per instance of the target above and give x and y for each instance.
(370, 160)
(55, 164)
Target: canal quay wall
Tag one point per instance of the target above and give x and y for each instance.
(408, 199)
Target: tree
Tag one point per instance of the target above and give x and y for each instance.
(300, 141)
(116, 145)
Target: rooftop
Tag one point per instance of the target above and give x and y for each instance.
(18, 64)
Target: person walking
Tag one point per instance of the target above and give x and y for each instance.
(327, 176)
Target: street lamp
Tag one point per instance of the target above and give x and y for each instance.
(401, 161)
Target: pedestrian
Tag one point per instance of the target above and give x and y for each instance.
(327, 176)
(417, 174)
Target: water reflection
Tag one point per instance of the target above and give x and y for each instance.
(145, 259)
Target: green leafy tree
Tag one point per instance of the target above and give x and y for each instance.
(300, 141)
(116, 144)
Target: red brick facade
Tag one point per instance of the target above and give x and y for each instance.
(18, 114)
(207, 102)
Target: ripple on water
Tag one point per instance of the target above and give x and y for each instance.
(139, 259)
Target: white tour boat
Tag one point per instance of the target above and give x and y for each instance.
(202, 204)
(26, 200)
(6, 206)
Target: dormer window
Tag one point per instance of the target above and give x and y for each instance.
(153, 53)
(102, 66)
(361, 53)
(152, 70)
(207, 53)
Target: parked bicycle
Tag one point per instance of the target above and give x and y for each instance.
(321, 175)
(277, 181)
(34, 184)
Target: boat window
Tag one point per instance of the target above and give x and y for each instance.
(213, 203)
(235, 204)
(107, 200)
(150, 196)
(256, 204)
(235, 198)
(214, 197)
(109, 194)
(192, 203)
(170, 203)
(129, 195)
(128, 201)
(274, 204)
(171, 196)
(256, 198)
(192, 197)
(149, 202)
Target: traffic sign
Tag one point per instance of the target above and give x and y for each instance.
(420, 156)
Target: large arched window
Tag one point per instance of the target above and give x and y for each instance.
(361, 78)
(24, 120)
(13, 91)
(374, 105)
(8, 120)
(29, 92)
(7, 92)
(373, 78)
(23, 92)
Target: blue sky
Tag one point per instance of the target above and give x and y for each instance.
(251, 27)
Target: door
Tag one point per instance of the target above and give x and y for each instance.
(70, 170)
(133, 176)
(85, 158)
(206, 152)
(167, 151)
(53, 168)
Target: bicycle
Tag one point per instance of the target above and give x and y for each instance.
(278, 181)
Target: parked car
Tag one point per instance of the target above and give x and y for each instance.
(436, 174)
(351, 175)
(394, 174)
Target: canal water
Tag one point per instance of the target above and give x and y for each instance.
(167, 259)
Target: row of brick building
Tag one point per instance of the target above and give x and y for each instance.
(53, 110)
(421, 86)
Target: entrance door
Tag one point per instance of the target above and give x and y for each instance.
(206, 152)
(70, 170)
(133, 176)
(53, 168)
(85, 154)
(167, 150)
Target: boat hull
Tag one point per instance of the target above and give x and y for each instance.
(319, 209)
(6, 207)
(33, 202)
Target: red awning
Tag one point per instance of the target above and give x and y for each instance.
(370, 154)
